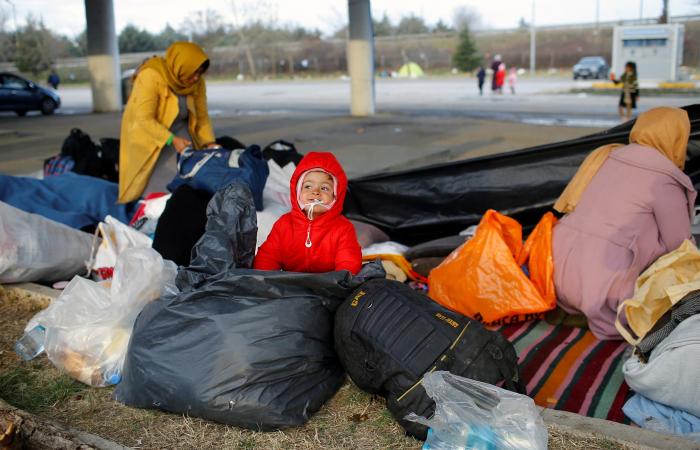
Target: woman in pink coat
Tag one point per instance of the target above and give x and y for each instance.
(627, 205)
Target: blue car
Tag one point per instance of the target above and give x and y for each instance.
(20, 95)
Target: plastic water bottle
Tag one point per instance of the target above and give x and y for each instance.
(31, 344)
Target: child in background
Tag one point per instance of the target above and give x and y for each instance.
(500, 78)
(630, 90)
(313, 236)
(512, 79)
(481, 76)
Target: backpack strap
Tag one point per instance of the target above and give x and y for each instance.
(187, 153)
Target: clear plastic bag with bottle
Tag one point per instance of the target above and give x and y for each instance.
(471, 415)
(89, 325)
(31, 344)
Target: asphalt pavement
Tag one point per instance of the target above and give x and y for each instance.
(418, 121)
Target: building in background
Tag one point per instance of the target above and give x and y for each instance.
(657, 50)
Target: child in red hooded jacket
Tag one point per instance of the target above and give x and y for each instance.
(313, 236)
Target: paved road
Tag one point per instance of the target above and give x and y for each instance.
(538, 101)
(418, 122)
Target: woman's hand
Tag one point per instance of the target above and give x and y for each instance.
(180, 144)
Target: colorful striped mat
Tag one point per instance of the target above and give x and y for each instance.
(569, 369)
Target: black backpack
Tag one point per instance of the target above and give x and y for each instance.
(388, 336)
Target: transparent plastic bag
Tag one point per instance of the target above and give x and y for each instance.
(474, 415)
(89, 325)
(116, 237)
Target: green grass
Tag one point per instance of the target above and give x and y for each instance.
(33, 390)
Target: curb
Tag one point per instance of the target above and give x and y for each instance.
(583, 426)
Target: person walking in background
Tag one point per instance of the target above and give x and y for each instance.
(500, 77)
(494, 67)
(481, 76)
(630, 90)
(512, 80)
(53, 79)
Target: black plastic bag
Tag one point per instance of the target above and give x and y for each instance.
(443, 199)
(239, 346)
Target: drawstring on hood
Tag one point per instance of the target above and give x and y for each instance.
(317, 162)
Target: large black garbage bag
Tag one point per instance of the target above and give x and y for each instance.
(229, 237)
(388, 336)
(443, 199)
(182, 224)
(251, 349)
(243, 347)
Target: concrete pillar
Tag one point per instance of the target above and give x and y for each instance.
(361, 58)
(103, 56)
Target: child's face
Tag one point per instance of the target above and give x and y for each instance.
(629, 69)
(317, 186)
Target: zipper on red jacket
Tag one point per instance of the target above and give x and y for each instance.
(307, 244)
(308, 236)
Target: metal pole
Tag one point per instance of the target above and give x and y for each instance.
(103, 56)
(532, 42)
(641, 9)
(361, 58)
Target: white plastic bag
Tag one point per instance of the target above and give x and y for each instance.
(89, 325)
(34, 248)
(116, 237)
(276, 199)
(474, 415)
(277, 185)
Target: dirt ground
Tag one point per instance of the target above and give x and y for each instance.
(351, 420)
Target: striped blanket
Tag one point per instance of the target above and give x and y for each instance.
(569, 369)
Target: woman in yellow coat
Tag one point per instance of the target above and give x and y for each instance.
(166, 113)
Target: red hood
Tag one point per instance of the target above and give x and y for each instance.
(326, 162)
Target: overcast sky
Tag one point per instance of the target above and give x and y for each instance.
(68, 16)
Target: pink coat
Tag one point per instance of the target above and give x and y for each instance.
(636, 208)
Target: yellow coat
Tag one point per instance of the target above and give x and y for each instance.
(150, 111)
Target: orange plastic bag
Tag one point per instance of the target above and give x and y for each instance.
(482, 279)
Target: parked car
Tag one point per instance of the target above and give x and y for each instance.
(20, 95)
(591, 67)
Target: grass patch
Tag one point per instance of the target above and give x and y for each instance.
(33, 390)
(41, 389)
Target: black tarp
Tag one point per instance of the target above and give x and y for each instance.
(417, 205)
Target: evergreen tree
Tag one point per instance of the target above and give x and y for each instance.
(167, 36)
(412, 24)
(442, 27)
(383, 27)
(134, 40)
(466, 58)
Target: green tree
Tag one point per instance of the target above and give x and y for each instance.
(167, 37)
(79, 45)
(384, 27)
(466, 58)
(442, 27)
(34, 42)
(133, 40)
(412, 24)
